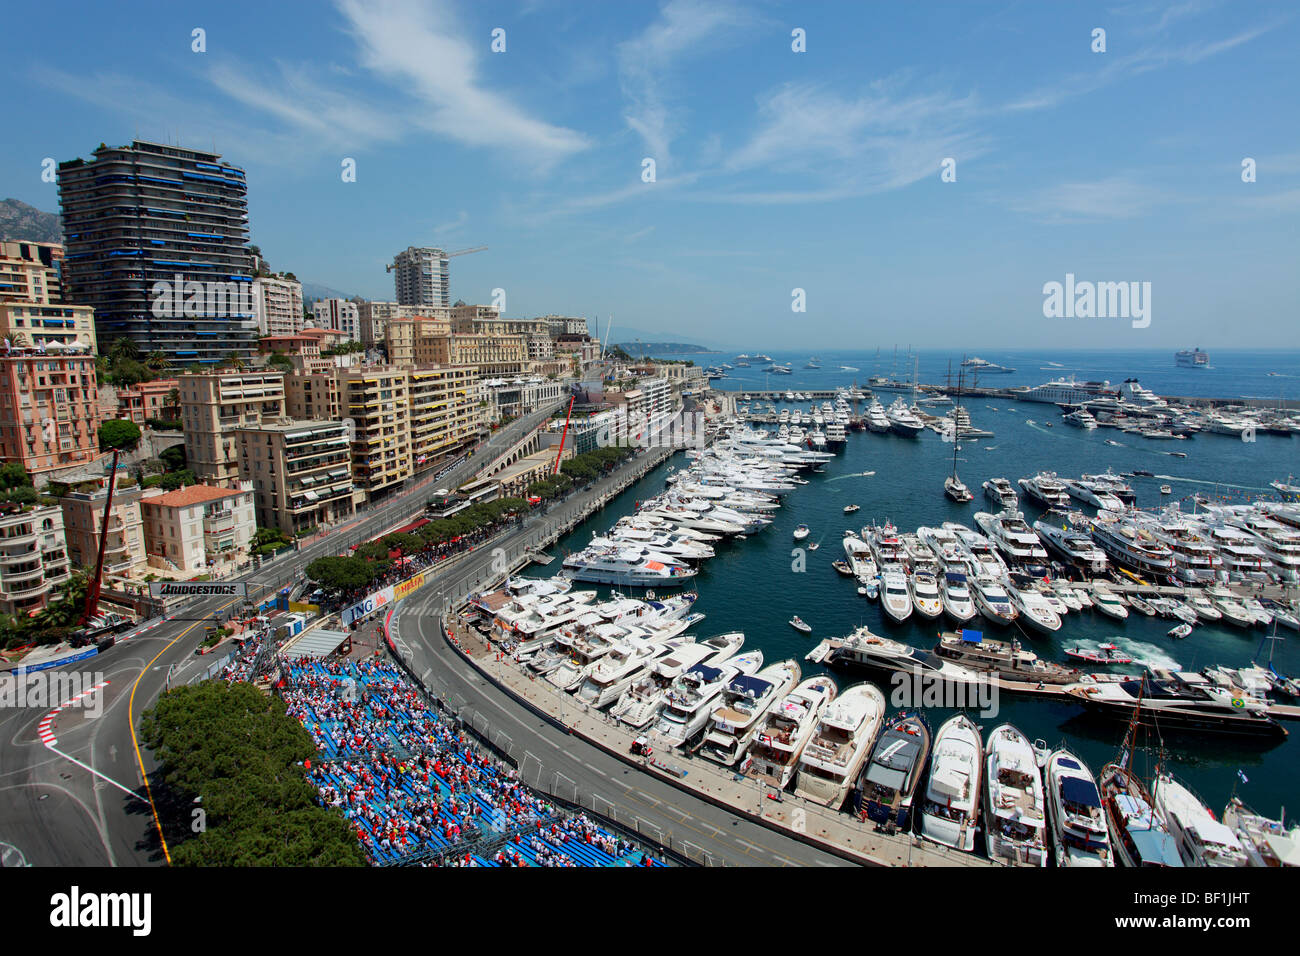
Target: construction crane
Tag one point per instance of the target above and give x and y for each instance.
(447, 255)
(92, 589)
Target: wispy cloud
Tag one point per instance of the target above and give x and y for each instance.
(460, 221)
(646, 64)
(1117, 197)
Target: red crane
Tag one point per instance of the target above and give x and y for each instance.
(92, 589)
(563, 435)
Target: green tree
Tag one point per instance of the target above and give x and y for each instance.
(118, 433)
(173, 458)
(123, 347)
(14, 475)
(156, 361)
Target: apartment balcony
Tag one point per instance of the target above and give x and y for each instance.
(18, 546)
(18, 591)
(219, 524)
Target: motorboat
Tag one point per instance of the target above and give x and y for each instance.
(1178, 701)
(641, 703)
(1045, 490)
(832, 759)
(877, 418)
(892, 773)
(798, 624)
(985, 562)
(688, 703)
(801, 532)
(1180, 631)
(994, 602)
(903, 421)
(849, 509)
(894, 595)
(774, 752)
(1091, 493)
(1104, 654)
(1202, 840)
(957, 601)
(1132, 546)
(1034, 609)
(1080, 835)
(741, 707)
(951, 807)
(1015, 812)
(1015, 539)
(1230, 607)
(1204, 607)
(925, 594)
(625, 567)
(1000, 492)
(1267, 842)
(1005, 659)
(1075, 548)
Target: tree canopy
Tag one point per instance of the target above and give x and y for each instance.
(239, 753)
(119, 433)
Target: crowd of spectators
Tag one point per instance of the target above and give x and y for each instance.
(416, 788)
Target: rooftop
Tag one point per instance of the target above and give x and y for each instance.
(193, 495)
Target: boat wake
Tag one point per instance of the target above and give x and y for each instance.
(856, 474)
(1202, 481)
(1143, 654)
(849, 368)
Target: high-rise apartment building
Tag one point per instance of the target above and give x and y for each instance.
(277, 301)
(33, 558)
(341, 314)
(157, 243)
(375, 400)
(444, 412)
(213, 404)
(421, 277)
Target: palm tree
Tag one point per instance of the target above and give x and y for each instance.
(173, 400)
(156, 361)
(234, 360)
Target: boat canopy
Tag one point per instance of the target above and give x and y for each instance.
(956, 577)
(971, 637)
(749, 685)
(1082, 792)
(1156, 847)
(707, 673)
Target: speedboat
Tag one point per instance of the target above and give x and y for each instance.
(1202, 840)
(1104, 654)
(801, 532)
(952, 793)
(1180, 631)
(894, 595)
(845, 732)
(893, 771)
(1015, 813)
(798, 624)
(775, 750)
(1080, 835)
(849, 509)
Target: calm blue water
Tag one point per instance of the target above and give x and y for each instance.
(751, 585)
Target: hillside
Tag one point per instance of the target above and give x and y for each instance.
(21, 221)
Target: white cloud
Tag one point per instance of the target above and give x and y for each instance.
(1117, 197)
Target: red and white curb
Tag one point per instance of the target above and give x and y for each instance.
(44, 728)
(147, 627)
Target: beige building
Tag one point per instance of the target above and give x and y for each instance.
(375, 316)
(375, 400)
(495, 356)
(83, 518)
(444, 413)
(340, 314)
(213, 404)
(191, 529)
(313, 394)
(404, 337)
(300, 473)
(277, 302)
(33, 558)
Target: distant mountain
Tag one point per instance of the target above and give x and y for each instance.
(21, 221)
(662, 348)
(311, 291)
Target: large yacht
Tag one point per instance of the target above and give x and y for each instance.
(894, 595)
(1090, 493)
(845, 732)
(1015, 820)
(688, 703)
(1000, 492)
(993, 601)
(1178, 700)
(1007, 659)
(951, 806)
(775, 750)
(957, 601)
(625, 567)
(1202, 840)
(984, 558)
(981, 367)
(1195, 559)
(742, 705)
(1035, 609)
(877, 419)
(1062, 392)
(925, 595)
(1045, 490)
(1132, 546)
(892, 773)
(1192, 358)
(1015, 539)
(618, 670)
(903, 421)
(643, 700)
(1080, 836)
(1073, 547)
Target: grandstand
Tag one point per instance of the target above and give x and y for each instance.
(417, 790)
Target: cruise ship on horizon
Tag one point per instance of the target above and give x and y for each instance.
(1192, 358)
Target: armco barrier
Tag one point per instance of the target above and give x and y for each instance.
(21, 669)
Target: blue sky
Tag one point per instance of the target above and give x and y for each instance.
(775, 170)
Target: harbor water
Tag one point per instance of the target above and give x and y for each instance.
(756, 585)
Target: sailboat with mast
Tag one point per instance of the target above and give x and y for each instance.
(953, 486)
(1139, 835)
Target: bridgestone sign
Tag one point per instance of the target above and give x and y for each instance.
(164, 589)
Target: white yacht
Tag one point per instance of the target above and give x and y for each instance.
(1015, 539)
(1073, 547)
(1132, 546)
(1015, 812)
(877, 419)
(1091, 494)
(1080, 418)
(957, 601)
(775, 750)
(993, 601)
(643, 700)
(618, 670)
(1080, 836)
(688, 704)
(1231, 608)
(742, 705)
(1045, 490)
(903, 421)
(582, 649)
(925, 595)
(1280, 543)
(1000, 492)
(984, 558)
(845, 732)
(1267, 842)
(947, 548)
(1035, 610)
(1109, 603)
(625, 567)
(951, 807)
(1202, 840)
(862, 564)
(894, 596)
